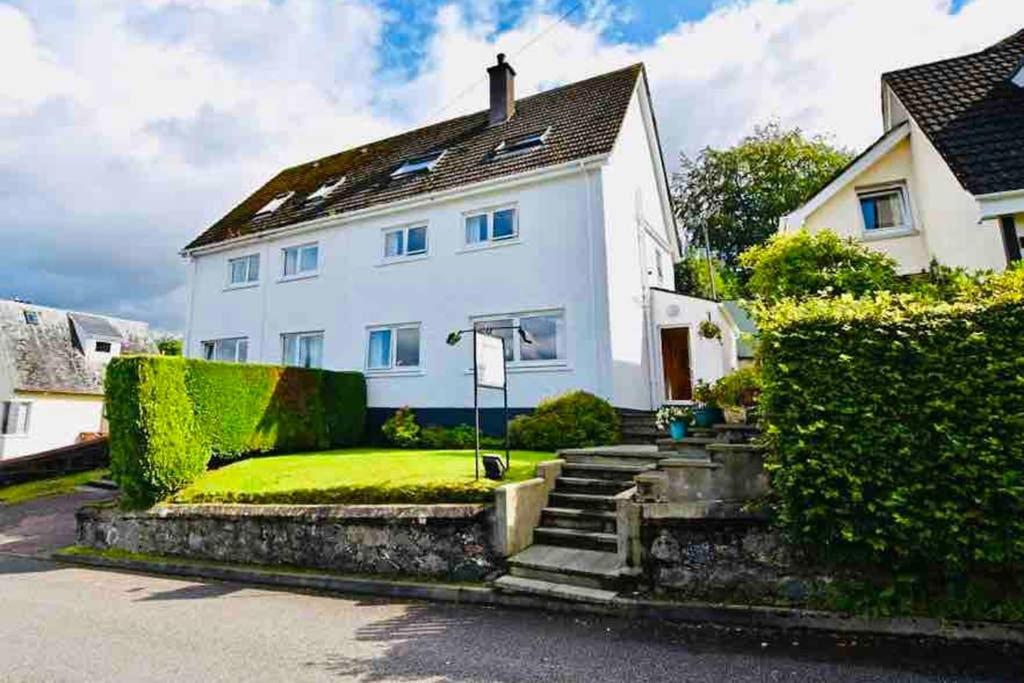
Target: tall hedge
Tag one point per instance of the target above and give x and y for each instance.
(169, 416)
(897, 426)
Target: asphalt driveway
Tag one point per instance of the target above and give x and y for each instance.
(40, 526)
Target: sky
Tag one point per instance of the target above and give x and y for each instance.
(128, 127)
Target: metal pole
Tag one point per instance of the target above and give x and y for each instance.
(476, 411)
(504, 388)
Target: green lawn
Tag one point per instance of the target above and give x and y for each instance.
(359, 475)
(21, 493)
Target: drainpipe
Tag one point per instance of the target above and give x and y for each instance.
(594, 291)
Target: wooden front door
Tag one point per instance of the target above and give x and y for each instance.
(675, 360)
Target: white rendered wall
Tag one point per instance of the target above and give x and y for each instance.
(55, 420)
(550, 267)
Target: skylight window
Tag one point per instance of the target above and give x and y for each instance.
(31, 317)
(325, 190)
(427, 162)
(275, 203)
(522, 143)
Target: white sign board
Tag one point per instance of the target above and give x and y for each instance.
(490, 362)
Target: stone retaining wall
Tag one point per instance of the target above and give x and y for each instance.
(441, 541)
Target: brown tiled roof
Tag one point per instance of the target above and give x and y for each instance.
(972, 112)
(584, 119)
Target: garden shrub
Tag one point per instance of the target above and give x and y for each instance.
(155, 448)
(573, 420)
(457, 437)
(401, 429)
(896, 427)
(738, 388)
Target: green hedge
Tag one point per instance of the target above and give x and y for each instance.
(169, 416)
(897, 427)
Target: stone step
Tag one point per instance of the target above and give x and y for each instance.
(581, 501)
(623, 454)
(624, 473)
(590, 485)
(685, 443)
(585, 567)
(585, 520)
(559, 591)
(577, 538)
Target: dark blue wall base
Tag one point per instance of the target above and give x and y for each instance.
(492, 420)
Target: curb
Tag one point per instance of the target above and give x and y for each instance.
(754, 617)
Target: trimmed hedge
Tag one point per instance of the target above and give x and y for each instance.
(896, 427)
(576, 419)
(169, 416)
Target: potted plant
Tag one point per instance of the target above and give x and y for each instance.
(707, 412)
(737, 392)
(674, 418)
(709, 330)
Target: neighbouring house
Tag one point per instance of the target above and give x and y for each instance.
(946, 179)
(51, 373)
(552, 212)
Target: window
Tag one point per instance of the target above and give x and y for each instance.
(659, 266)
(303, 349)
(31, 317)
(227, 350)
(522, 143)
(491, 226)
(395, 347)
(885, 209)
(275, 203)
(301, 260)
(244, 270)
(405, 242)
(14, 417)
(325, 190)
(427, 162)
(546, 332)
(102, 347)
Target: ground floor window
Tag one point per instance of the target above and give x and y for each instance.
(14, 417)
(545, 335)
(393, 347)
(234, 350)
(303, 349)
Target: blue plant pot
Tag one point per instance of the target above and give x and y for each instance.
(706, 418)
(677, 429)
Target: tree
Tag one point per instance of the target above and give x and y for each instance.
(692, 277)
(169, 346)
(739, 194)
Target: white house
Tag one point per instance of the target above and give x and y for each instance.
(51, 373)
(946, 179)
(552, 212)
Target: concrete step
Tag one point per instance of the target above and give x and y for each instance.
(604, 471)
(577, 538)
(685, 443)
(559, 591)
(581, 501)
(568, 565)
(623, 454)
(608, 487)
(584, 520)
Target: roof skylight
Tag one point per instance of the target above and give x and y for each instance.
(427, 162)
(275, 203)
(522, 143)
(326, 190)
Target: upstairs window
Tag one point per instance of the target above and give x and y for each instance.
(275, 203)
(522, 143)
(302, 349)
(235, 350)
(395, 347)
(402, 242)
(103, 347)
(31, 317)
(244, 270)
(885, 208)
(491, 226)
(427, 162)
(14, 417)
(325, 190)
(301, 260)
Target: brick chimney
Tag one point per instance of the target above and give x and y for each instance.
(503, 91)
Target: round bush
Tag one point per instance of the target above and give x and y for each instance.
(573, 420)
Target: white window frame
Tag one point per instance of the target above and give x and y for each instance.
(419, 164)
(248, 267)
(300, 274)
(392, 368)
(213, 343)
(514, 146)
(31, 316)
(899, 187)
(298, 337)
(279, 200)
(325, 190)
(516, 364)
(491, 241)
(26, 421)
(405, 255)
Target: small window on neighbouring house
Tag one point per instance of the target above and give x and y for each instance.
(302, 349)
(234, 350)
(14, 417)
(301, 260)
(393, 348)
(326, 190)
(244, 270)
(491, 226)
(405, 242)
(522, 143)
(103, 347)
(32, 317)
(427, 162)
(884, 209)
(275, 203)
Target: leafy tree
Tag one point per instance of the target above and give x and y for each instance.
(801, 264)
(739, 194)
(169, 346)
(692, 278)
